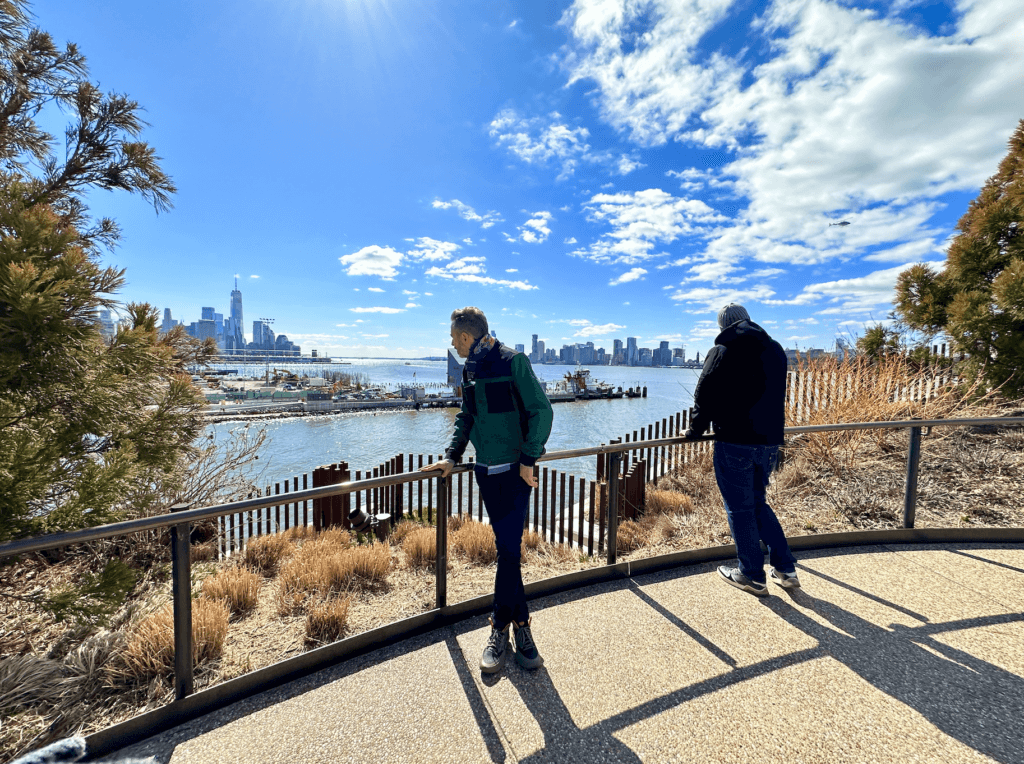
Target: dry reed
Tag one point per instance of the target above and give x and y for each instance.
(238, 587)
(328, 564)
(403, 529)
(149, 651)
(475, 542)
(420, 547)
(630, 536)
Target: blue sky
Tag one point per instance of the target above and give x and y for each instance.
(582, 170)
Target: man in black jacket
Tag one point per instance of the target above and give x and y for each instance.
(741, 393)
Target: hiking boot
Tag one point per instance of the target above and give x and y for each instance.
(493, 659)
(734, 577)
(527, 655)
(785, 580)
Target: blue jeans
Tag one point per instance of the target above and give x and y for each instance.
(506, 498)
(742, 473)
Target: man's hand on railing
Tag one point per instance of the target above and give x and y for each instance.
(526, 473)
(445, 465)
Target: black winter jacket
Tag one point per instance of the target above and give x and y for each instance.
(742, 389)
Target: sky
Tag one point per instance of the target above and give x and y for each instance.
(583, 171)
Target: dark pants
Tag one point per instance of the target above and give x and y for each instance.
(506, 497)
(742, 473)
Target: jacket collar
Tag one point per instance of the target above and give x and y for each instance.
(480, 350)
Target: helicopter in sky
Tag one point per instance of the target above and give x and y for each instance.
(840, 223)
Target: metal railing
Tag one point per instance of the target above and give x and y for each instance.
(182, 516)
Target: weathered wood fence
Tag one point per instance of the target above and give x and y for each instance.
(567, 509)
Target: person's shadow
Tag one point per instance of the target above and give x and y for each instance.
(969, 699)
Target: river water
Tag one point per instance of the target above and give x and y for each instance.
(366, 439)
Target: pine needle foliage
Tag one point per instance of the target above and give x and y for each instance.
(977, 299)
(92, 429)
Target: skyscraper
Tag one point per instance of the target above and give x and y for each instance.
(533, 351)
(237, 332)
(631, 351)
(168, 323)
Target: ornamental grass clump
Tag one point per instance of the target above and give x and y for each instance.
(264, 554)
(327, 621)
(329, 564)
(149, 651)
(475, 542)
(630, 536)
(238, 587)
(420, 547)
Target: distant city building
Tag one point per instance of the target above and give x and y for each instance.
(106, 323)
(168, 323)
(205, 328)
(645, 357)
(207, 314)
(662, 355)
(520, 348)
(631, 351)
(534, 355)
(236, 323)
(617, 355)
(540, 350)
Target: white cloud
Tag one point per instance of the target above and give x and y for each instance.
(536, 230)
(511, 270)
(377, 310)
(549, 140)
(372, 261)
(432, 249)
(374, 336)
(713, 299)
(597, 330)
(850, 112)
(428, 294)
(631, 275)
(642, 220)
(374, 289)
(412, 305)
(468, 213)
(570, 240)
(254, 276)
(471, 269)
(410, 293)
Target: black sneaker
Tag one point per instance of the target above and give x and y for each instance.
(785, 580)
(735, 578)
(493, 659)
(527, 655)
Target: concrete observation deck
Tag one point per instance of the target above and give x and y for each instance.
(889, 653)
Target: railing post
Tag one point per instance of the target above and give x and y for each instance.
(181, 586)
(614, 461)
(441, 560)
(913, 462)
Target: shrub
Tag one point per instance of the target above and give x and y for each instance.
(475, 542)
(327, 621)
(420, 547)
(238, 587)
(150, 649)
(264, 554)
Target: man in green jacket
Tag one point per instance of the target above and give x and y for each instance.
(507, 417)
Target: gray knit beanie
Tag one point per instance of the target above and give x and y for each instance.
(730, 314)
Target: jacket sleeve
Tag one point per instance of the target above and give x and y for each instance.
(705, 395)
(463, 425)
(536, 410)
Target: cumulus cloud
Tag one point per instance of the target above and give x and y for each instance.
(432, 249)
(549, 140)
(472, 270)
(372, 261)
(641, 221)
(536, 230)
(715, 298)
(846, 111)
(598, 330)
(374, 289)
(468, 213)
(631, 275)
(377, 310)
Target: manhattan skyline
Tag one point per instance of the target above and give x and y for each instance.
(581, 170)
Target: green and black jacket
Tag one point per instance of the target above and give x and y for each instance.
(505, 413)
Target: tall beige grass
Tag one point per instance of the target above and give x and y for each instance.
(327, 621)
(238, 587)
(420, 547)
(329, 564)
(149, 651)
(474, 541)
(265, 553)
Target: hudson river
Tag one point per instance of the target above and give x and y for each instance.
(298, 445)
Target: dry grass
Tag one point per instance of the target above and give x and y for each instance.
(630, 536)
(327, 621)
(664, 501)
(474, 541)
(264, 554)
(455, 522)
(238, 587)
(149, 652)
(420, 547)
(403, 529)
(531, 540)
(329, 564)
(299, 533)
(370, 562)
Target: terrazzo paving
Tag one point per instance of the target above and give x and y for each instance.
(886, 654)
